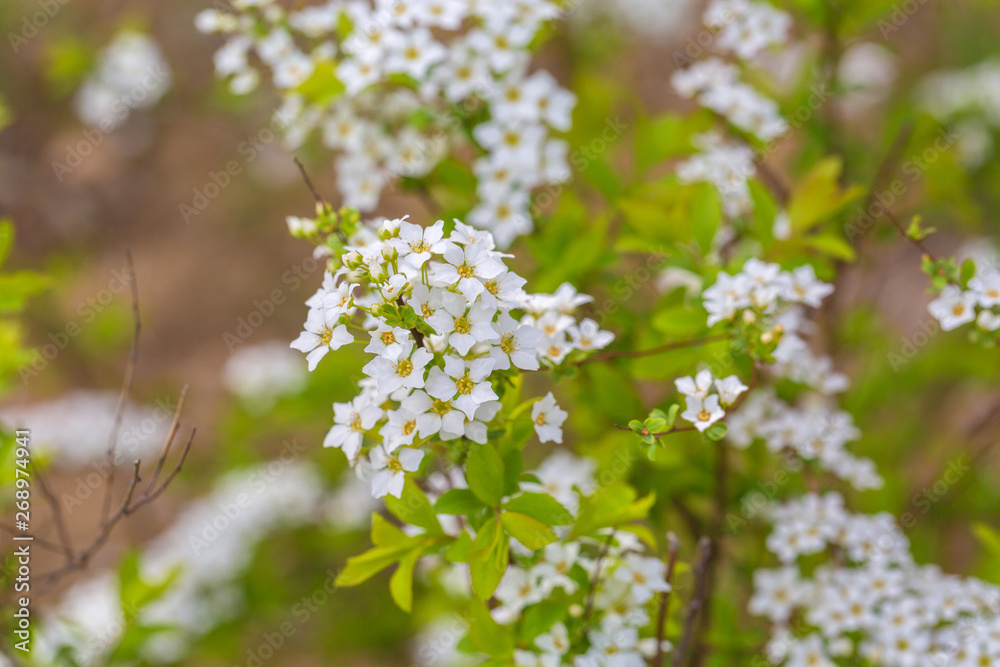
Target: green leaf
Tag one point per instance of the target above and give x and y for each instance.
(458, 552)
(486, 635)
(458, 501)
(819, 196)
(401, 582)
(484, 471)
(488, 559)
(542, 507)
(513, 465)
(364, 566)
(706, 215)
(6, 238)
(384, 534)
(532, 533)
(412, 507)
(988, 537)
(717, 431)
(610, 506)
(831, 245)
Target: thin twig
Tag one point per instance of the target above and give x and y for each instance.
(661, 619)
(168, 441)
(596, 576)
(56, 508)
(696, 604)
(309, 184)
(133, 358)
(635, 354)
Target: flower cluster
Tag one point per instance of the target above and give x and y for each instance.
(977, 303)
(703, 408)
(875, 603)
(131, 74)
(440, 328)
(762, 289)
(401, 81)
(727, 165)
(813, 431)
(967, 98)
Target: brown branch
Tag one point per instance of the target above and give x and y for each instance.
(596, 576)
(133, 358)
(774, 182)
(45, 544)
(635, 354)
(697, 602)
(712, 561)
(320, 202)
(661, 619)
(57, 514)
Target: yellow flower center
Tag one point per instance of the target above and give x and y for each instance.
(326, 335)
(464, 385)
(408, 427)
(393, 464)
(356, 423)
(404, 368)
(440, 407)
(388, 338)
(462, 325)
(507, 343)
(704, 416)
(464, 270)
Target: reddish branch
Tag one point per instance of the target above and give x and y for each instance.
(133, 498)
(635, 354)
(697, 601)
(661, 619)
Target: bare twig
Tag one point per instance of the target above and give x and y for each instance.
(661, 619)
(133, 357)
(309, 184)
(635, 354)
(596, 576)
(55, 507)
(696, 603)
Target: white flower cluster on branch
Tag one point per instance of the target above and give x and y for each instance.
(417, 77)
(439, 323)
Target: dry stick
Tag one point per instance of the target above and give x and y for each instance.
(712, 561)
(697, 601)
(634, 354)
(127, 507)
(309, 184)
(661, 622)
(169, 440)
(45, 544)
(597, 575)
(126, 389)
(56, 509)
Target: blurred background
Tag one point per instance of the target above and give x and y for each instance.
(222, 287)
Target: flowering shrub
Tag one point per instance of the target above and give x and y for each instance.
(613, 392)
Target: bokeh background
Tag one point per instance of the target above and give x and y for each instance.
(203, 277)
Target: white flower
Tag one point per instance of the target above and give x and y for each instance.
(401, 426)
(393, 287)
(558, 560)
(988, 320)
(463, 329)
(986, 289)
(322, 334)
(386, 340)
(803, 287)
(518, 589)
(588, 336)
(548, 419)
(729, 389)
(465, 384)
(698, 386)
(416, 244)
(615, 647)
(516, 345)
(556, 640)
(953, 307)
(399, 368)
(469, 268)
(440, 418)
(703, 413)
(390, 469)
(645, 576)
(351, 420)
